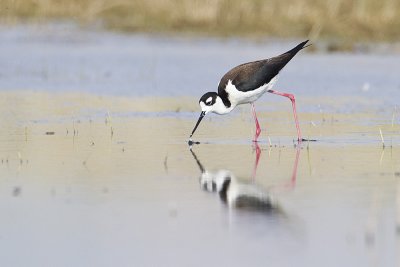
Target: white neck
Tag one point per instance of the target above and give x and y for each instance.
(220, 108)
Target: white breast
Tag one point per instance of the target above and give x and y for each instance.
(237, 97)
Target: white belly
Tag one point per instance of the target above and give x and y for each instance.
(237, 97)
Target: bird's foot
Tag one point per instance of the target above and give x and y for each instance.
(191, 142)
(258, 132)
(306, 140)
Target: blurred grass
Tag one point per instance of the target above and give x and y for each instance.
(357, 20)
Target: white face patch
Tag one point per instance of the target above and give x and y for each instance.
(204, 107)
(218, 107)
(208, 101)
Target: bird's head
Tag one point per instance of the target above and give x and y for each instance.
(210, 102)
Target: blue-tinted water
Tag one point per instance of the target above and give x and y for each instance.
(116, 184)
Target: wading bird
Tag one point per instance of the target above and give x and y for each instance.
(244, 84)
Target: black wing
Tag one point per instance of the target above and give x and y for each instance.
(249, 76)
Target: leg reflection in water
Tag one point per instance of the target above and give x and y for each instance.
(238, 193)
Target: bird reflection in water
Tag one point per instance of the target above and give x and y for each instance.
(243, 194)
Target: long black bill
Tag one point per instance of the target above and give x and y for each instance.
(202, 114)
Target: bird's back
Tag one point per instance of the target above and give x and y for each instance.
(252, 75)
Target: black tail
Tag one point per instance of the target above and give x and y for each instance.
(278, 62)
(292, 52)
(298, 48)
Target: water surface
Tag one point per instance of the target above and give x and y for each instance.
(95, 169)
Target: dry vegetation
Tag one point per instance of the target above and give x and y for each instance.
(355, 20)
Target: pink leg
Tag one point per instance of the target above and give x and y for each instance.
(294, 172)
(292, 183)
(258, 153)
(291, 97)
(258, 129)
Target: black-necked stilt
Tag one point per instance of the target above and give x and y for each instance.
(245, 84)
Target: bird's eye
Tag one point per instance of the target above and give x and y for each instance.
(209, 101)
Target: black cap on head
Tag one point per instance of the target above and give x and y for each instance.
(209, 98)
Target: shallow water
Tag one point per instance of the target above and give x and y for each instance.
(105, 177)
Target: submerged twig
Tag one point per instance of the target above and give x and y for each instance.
(383, 140)
(73, 125)
(166, 163)
(382, 154)
(322, 113)
(393, 115)
(309, 137)
(108, 121)
(391, 134)
(20, 158)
